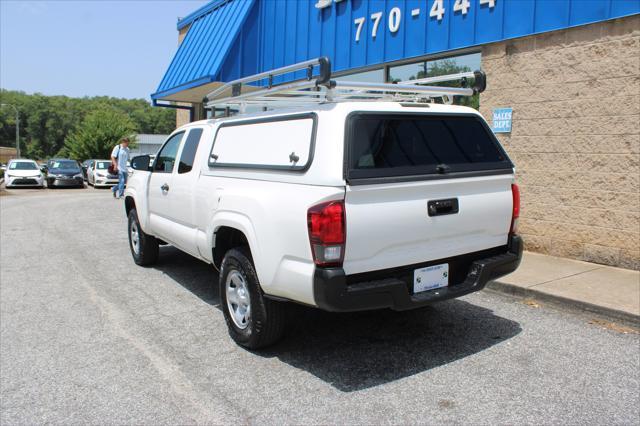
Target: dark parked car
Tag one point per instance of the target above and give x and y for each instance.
(64, 172)
(50, 162)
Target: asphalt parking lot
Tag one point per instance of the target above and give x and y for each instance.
(86, 336)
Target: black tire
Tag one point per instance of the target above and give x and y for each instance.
(267, 320)
(146, 251)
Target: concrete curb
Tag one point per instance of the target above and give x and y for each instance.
(525, 293)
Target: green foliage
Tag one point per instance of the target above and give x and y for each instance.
(47, 121)
(98, 133)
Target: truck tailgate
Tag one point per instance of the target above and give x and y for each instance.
(389, 225)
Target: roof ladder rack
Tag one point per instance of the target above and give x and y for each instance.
(260, 90)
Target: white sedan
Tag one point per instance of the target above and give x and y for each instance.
(98, 175)
(23, 173)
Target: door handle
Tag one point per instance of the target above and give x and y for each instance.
(442, 207)
(165, 188)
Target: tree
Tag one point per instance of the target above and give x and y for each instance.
(98, 133)
(46, 122)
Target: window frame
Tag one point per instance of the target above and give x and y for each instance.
(364, 178)
(155, 161)
(300, 116)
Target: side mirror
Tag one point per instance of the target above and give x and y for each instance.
(44, 169)
(141, 162)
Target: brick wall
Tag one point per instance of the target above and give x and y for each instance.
(575, 137)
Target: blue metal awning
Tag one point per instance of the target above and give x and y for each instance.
(230, 39)
(203, 51)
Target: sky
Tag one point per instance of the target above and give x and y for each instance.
(89, 47)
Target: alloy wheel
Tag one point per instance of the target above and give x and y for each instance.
(238, 300)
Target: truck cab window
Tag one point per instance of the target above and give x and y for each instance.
(167, 155)
(189, 151)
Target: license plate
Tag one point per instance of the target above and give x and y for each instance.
(431, 277)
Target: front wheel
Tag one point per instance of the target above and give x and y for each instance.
(144, 247)
(254, 321)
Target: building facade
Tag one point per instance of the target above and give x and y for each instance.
(563, 92)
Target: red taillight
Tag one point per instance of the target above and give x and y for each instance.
(515, 191)
(326, 224)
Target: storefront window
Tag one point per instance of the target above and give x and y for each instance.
(437, 67)
(374, 76)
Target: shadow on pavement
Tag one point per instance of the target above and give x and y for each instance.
(194, 275)
(355, 351)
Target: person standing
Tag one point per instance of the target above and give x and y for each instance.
(119, 158)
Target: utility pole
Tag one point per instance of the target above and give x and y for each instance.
(17, 127)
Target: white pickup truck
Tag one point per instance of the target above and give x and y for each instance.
(343, 206)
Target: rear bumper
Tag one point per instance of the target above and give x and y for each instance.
(393, 288)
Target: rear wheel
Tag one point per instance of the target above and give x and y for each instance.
(144, 247)
(254, 321)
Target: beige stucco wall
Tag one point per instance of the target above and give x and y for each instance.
(182, 115)
(575, 138)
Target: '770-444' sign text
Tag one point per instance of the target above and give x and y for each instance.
(395, 15)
